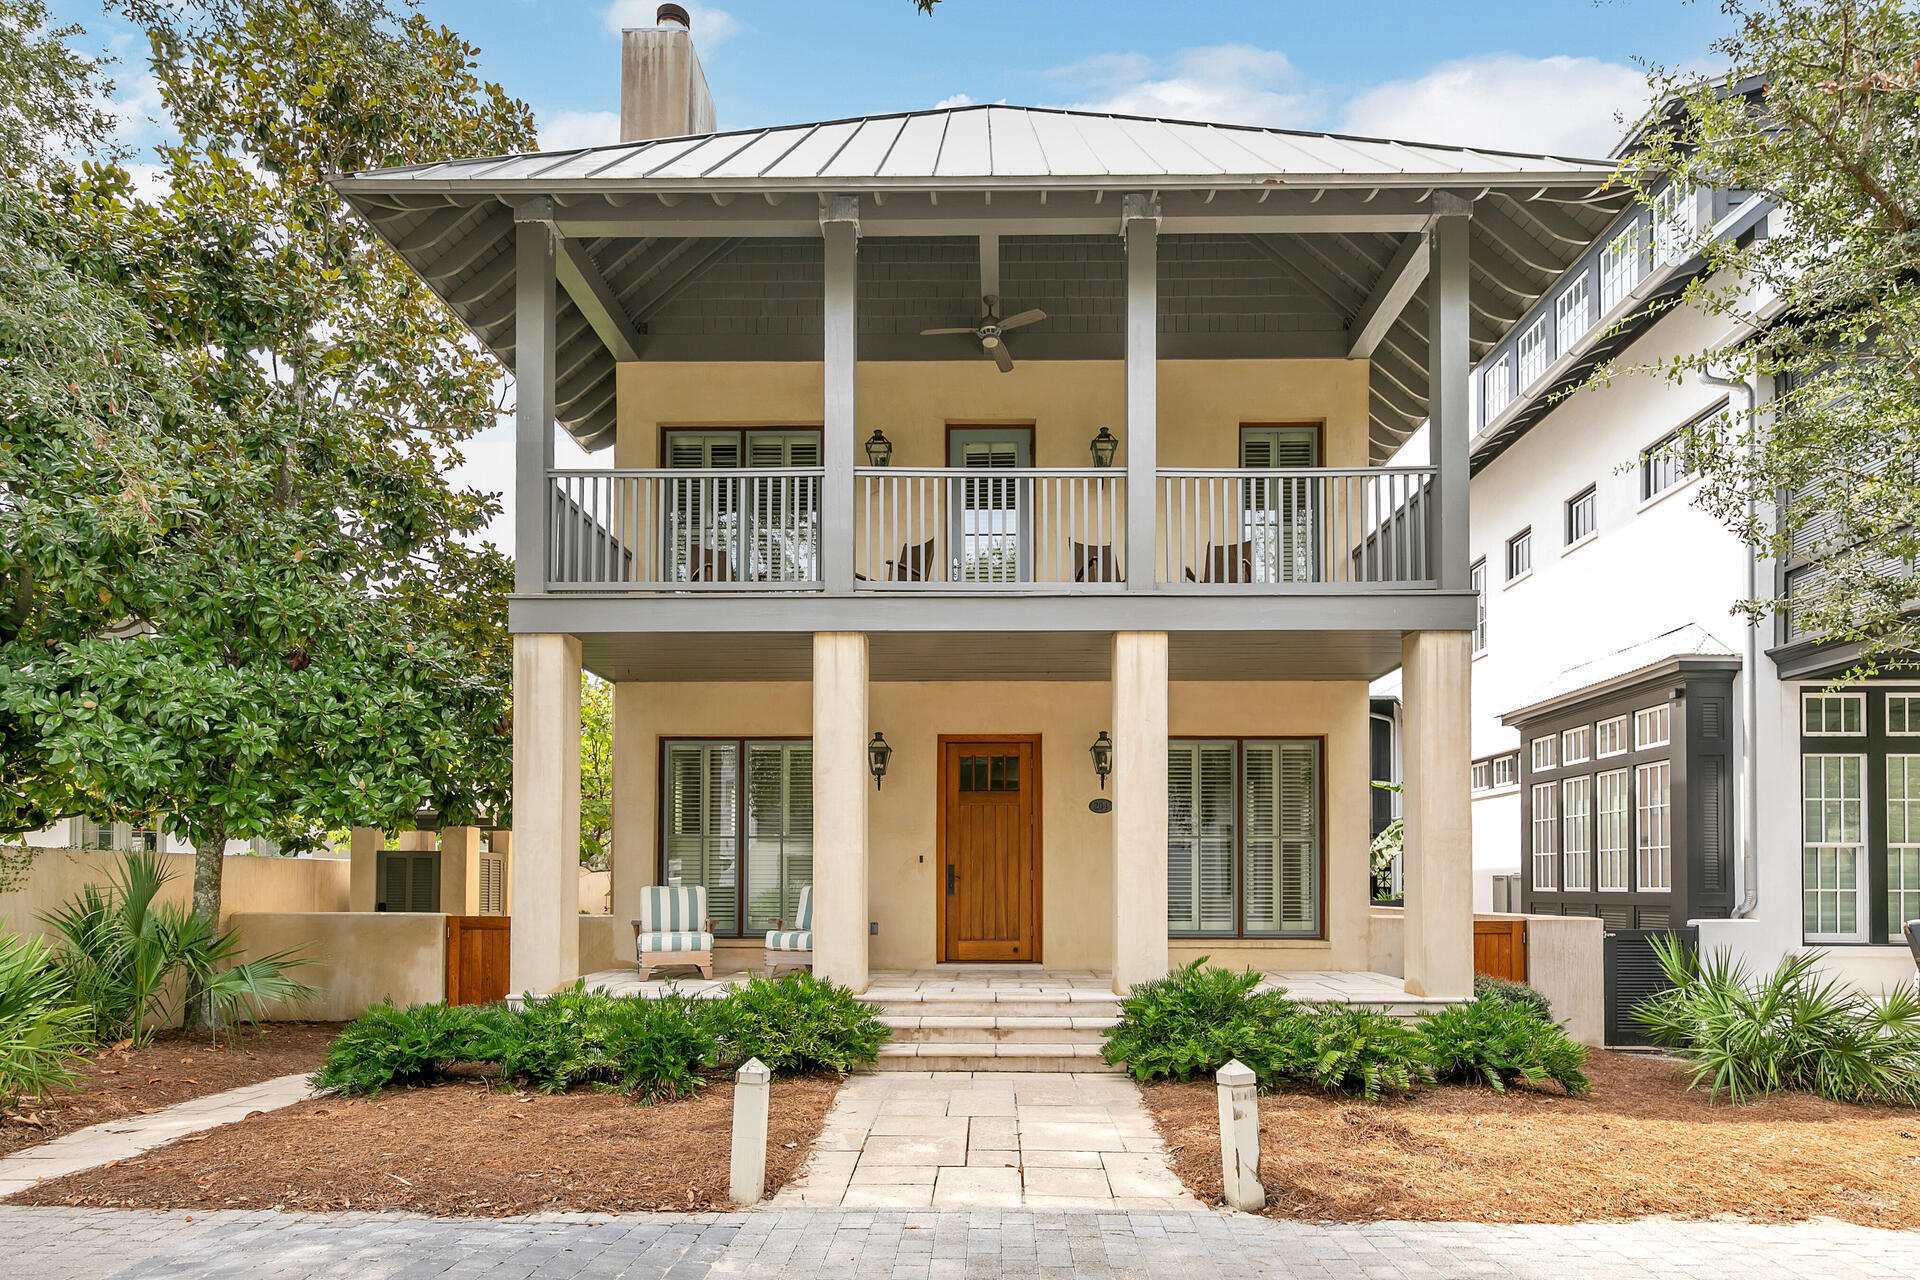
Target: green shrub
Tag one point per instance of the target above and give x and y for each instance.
(550, 1043)
(1354, 1049)
(1485, 985)
(1497, 1042)
(797, 1022)
(130, 958)
(1791, 1030)
(42, 1031)
(658, 1046)
(1197, 1019)
(386, 1047)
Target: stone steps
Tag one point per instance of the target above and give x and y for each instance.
(982, 1028)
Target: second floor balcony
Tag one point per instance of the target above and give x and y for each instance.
(998, 530)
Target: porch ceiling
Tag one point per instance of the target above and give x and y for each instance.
(943, 656)
(1281, 244)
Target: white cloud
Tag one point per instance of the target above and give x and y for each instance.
(1233, 83)
(1557, 105)
(711, 28)
(954, 100)
(565, 130)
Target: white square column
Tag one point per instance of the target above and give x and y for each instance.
(545, 933)
(840, 784)
(1139, 807)
(1437, 866)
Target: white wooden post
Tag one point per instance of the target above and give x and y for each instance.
(1239, 1137)
(747, 1175)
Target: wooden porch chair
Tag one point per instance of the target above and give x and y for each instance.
(1095, 562)
(1231, 562)
(673, 929)
(792, 946)
(914, 564)
(711, 564)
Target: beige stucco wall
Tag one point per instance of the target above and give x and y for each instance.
(1076, 883)
(1564, 963)
(358, 959)
(1202, 404)
(248, 884)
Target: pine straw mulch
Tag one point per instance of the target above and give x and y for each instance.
(1641, 1144)
(461, 1150)
(174, 1067)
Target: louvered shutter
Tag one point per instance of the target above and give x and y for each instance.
(701, 513)
(785, 509)
(1278, 510)
(989, 511)
(424, 880)
(701, 831)
(1282, 838)
(779, 830)
(493, 885)
(1200, 837)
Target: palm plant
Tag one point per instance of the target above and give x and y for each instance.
(41, 1029)
(1794, 1029)
(129, 958)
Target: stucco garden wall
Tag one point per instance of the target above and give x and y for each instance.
(1564, 963)
(249, 884)
(358, 958)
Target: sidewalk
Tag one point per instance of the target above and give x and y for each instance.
(130, 1135)
(926, 1244)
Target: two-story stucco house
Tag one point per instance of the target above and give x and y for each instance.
(1044, 642)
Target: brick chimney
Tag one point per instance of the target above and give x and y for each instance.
(663, 91)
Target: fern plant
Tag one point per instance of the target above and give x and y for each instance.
(1197, 1019)
(388, 1047)
(797, 1022)
(1498, 1042)
(1354, 1049)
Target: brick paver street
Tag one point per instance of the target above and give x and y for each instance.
(924, 1244)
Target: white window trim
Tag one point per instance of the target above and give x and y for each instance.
(1536, 335)
(1862, 879)
(1860, 698)
(1582, 283)
(1640, 848)
(1626, 737)
(1913, 720)
(1680, 486)
(1633, 728)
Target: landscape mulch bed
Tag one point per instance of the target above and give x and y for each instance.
(173, 1067)
(1640, 1144)
(460, 1149)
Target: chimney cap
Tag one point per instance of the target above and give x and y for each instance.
(672, 13)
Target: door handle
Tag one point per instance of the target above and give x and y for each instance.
(951, 877)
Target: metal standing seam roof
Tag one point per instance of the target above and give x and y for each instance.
(452, 221)
(991, 144)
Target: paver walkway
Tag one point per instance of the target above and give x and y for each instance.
(1007, 1139)
(130, 1135)
(924, 1244)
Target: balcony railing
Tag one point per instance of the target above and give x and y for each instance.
(1316, 529)
(1036, 530)
(684, 530)
(1042, 529)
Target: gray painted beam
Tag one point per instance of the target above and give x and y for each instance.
(1142, 229)
(594, 299)
(537, 303)
(1402, 276)
(1198, 611)
(1447, 360)
(840, 226)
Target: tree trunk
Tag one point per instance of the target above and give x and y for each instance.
(209, 849)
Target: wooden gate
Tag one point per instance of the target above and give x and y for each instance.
(1500, 949)
(477, 948)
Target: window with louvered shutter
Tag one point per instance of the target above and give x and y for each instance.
(1282, 838)
(701, 820)
(784, 532)
(779, 833)
(1277, 511)
(989, 512)
(1200, 837)
(493, 885)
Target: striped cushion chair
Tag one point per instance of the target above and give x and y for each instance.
(673, 929)
(793, 946)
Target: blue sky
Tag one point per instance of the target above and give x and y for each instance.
(1551, 75)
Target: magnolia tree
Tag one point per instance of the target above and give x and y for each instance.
(1820, 115)
(241, 596)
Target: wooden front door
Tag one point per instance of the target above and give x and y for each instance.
(989, 849)
(477, 954)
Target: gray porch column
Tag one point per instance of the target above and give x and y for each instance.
(536, 302)
(1140, 223)
(840, 227)
(1449, 426)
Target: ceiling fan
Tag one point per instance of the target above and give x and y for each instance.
(990, 329)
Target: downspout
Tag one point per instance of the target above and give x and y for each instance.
(1750, 693)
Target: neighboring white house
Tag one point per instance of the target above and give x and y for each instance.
(86, 833)
(1615, 736)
